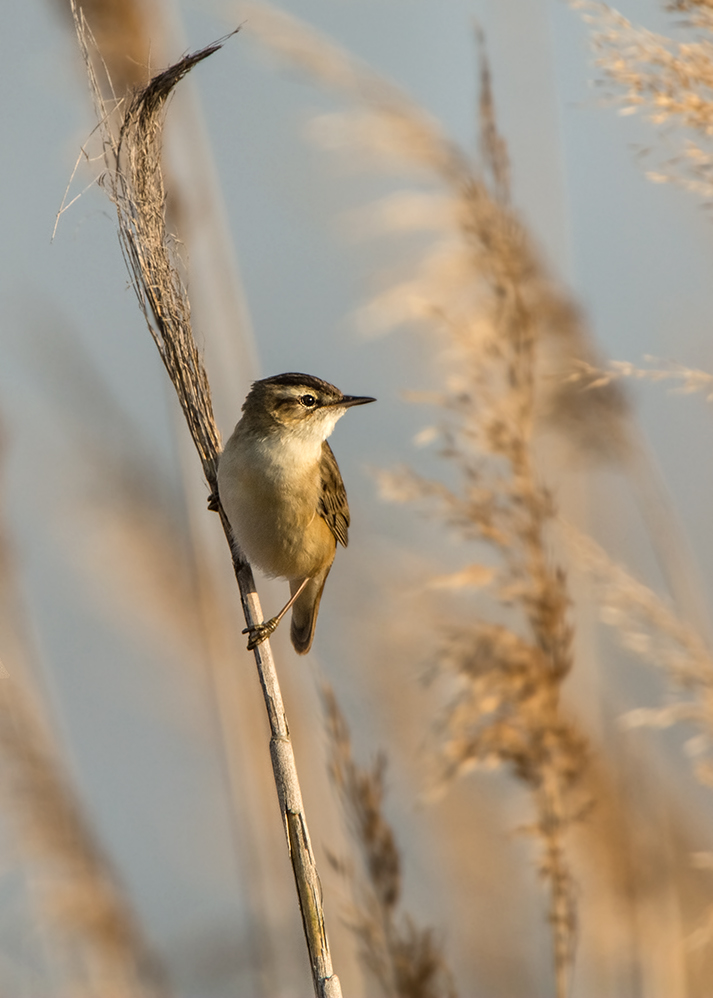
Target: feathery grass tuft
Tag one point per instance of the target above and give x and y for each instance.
(669, 81)
(406, 961)
(134, 182)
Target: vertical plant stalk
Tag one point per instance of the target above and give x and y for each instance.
(304, 867)
(133, 181)
(546, 608)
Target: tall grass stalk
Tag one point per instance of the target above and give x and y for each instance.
(133, 180)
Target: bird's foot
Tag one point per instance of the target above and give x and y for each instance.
(213, 502)
(261, 632)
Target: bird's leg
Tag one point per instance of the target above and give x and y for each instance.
(260, 632)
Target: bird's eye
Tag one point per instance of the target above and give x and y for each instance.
(308, 400)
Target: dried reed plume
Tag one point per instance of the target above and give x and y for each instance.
(484, 292)
(134, 182)
(405, 960)
(669, 81)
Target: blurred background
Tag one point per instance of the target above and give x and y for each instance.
(119, 611)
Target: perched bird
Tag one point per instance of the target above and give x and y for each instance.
(280, 487)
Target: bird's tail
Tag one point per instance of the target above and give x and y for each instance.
(304, 611)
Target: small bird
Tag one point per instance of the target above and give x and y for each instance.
(280, 487)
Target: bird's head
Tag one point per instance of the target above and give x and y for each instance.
(298, 404)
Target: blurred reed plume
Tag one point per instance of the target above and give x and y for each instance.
(125, 37)
(476, 235)
(649, 628)
(131, 146)
(406, 961)
(491, 306)
(478, 248)
(96, 944)
(686, 380)
(669, 81)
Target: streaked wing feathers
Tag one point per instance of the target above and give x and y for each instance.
(333, 505)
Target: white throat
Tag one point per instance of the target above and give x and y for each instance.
(297, 446)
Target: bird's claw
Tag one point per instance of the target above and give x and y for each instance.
(260, 632)
(213, 502)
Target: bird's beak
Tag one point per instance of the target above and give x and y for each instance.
(346, 401)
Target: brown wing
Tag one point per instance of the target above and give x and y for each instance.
(333, 505)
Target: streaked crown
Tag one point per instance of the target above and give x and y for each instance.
(292, 398)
